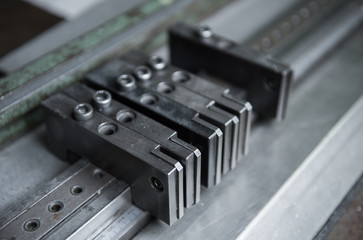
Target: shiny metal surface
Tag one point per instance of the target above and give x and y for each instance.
(320, 101)
(81, 203)
(188, 155)
(227, 209)
(190, 125)
(318, 185)
(170, 83)
(155, 176)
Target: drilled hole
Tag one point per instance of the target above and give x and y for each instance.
(148, 99)
(77, 189)
(107, 128)
(31, 225)
(55, 206)
(125, 116)
(97, 174)
(164, 87)
(156, 184)
(272, 84)
(180, 76)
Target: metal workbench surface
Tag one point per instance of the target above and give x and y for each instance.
(276, 149)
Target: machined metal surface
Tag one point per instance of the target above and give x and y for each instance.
(336, 161)
(155, 176)
(80, 203)
(265, 81)
(191, 126)
(188, 155)
(169, 81)
(218, 95)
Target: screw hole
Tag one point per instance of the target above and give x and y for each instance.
(272, 84)
(107, 128)
(125, 116)
(77, 189)
(98, 174)
(31, 225)
(180, 76)
(164, 87)
(156, 184)
(148, 99)
(55, 206)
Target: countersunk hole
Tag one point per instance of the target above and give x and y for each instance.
(272, 84)
(125, 116)
(164, 87)
(180, 76)
(107, 128)
(148, 99)
(156, 184)
(31, 225)
(55, 206)
(77, 189)
(98, 174)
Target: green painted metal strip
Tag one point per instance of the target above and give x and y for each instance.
(195, 12)
(76, 46)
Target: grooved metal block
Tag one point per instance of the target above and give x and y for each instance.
(188, 155)
(192, 126)
(154, 174)
(265, 81)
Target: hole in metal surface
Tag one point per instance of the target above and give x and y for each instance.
(125, 116)
(55, 206)
(156, 184)
(148, 99)
(31, 225)
(164, 87)
(107, 128)
(180, 76)
(97, 174)
(77, 189)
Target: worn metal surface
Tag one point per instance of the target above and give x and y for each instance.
(276, 151)
(192, 127)
(155, 175)
(212, 101)
(188, 155)
(264, 81)
(24, 89)
(82, 202)
(317, 186)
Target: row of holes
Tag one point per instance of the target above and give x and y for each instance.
(56, 206)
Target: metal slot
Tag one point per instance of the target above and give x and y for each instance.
(187, 122)
(156, 181)
(199, 94)
(266, 81)
(188, 155)
(205, 107)
(53, 208)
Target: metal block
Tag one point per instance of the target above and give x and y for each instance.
(266, 82)
(155, 176)
(81, 203)
(198, 94)
(133, 63)
(188, 155)
(192, 127)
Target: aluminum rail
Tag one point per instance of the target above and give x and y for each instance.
(317, 186)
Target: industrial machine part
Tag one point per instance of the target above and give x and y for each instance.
(83, 202)
(192, 127)
(229, 114)
(153, 171)
(266, 81)
(188, 155)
